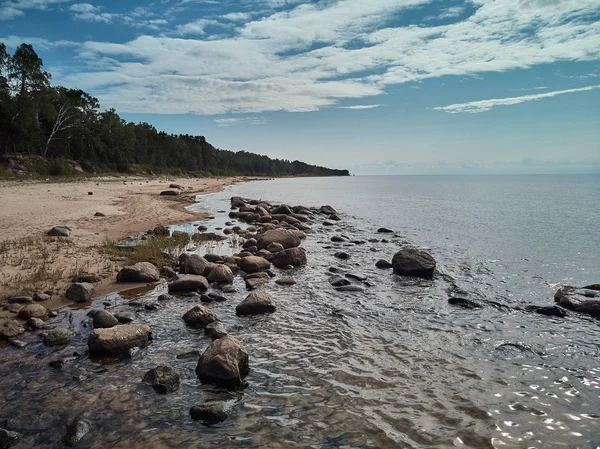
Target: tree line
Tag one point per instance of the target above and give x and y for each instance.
(54, 124)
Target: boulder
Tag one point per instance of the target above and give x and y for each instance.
(334, 217)
(11, 329)
(161, 231)
(274, 247)
(583, 300)
(295, 257)
(342, 255)
(41, 297)
(140, 272)
(170, 193)
(381, 263)
(20, 300)
(256, 303)
(556, 311)
(384, 231)
(282, 236)
(220, 274)
(35, 323)
(224, 363)
(286, 281)
(464, 303)
(252, 283)
(8, 438)
(284, 209)
(164, 379)
(189, 283)
(168, 272)
(338, 281)
(32, 311)
(176, 186)
(119, 340)
(80, 292)
(253, 264)
(212, 297)
(327, 210)
(199, 316)
(57, 337)
(193, 264)
(413, 262)
(104, 319)
(338, 239)
(212, 412)
(124, 317)
(215, 330)
(76, 431)
(59, 231)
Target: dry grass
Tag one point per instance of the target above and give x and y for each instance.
(159, 250)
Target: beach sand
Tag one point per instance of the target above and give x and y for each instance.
(31, 261)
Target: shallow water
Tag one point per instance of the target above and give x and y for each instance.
(394, 366)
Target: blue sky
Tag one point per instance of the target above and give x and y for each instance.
(376, 86)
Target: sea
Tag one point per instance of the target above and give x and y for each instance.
(392, 366)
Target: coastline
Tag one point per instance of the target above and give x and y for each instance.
(30, 261)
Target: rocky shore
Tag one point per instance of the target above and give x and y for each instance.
(270, 242)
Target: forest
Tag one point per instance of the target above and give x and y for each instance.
(54, 128)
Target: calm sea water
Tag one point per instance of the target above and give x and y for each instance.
(394, 366)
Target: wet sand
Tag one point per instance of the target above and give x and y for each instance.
(30, 261)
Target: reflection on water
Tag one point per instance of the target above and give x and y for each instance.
(394, 366)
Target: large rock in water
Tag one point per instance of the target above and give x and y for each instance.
(32, 311)
(224, 363)
(119, 340)
(282, 236)
(413, 262)
(57, 337)
(220, 274)
(255, 303)
(189, 283)
(583, 300)
(254, 264)
(193, 264)
(80, 292)
(198, 317)
(103, 319)
(292, 256)
(11, 329)
(140, 272)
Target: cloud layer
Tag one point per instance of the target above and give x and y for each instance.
(305, 56)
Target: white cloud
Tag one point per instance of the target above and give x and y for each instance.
(15, 41)
(486, 105)
(16, 8)
(83, 8)
(301, 59)
(241, 120)
(360, 106)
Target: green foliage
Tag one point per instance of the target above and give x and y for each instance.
(59, 124)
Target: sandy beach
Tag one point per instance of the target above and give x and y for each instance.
(30, 261)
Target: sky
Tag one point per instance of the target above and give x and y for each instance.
(375, 86)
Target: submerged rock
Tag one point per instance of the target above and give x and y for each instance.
(255, 303)
(224, 363)
(556, 311)
(583, 300)
(286, 281)
(140, 272)
(119, 340)
(327, 210)
(164, 379)
(384, 231)
(339, 281)
(57, 337)
(212, 412)
(413, 262)
(464, 302)
(76, 431)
